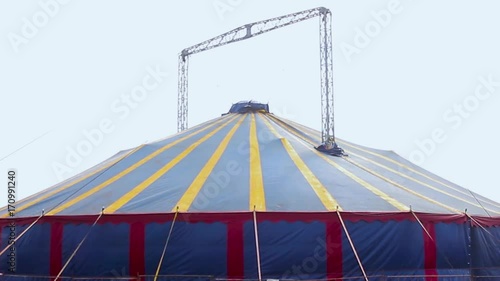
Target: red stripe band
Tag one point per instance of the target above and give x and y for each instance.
(430, 261)
(56, 235)
(235, 256)
(136, 258)
(333, 248)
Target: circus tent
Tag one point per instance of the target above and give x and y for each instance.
(248, 196)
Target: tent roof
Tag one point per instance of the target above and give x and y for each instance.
(239, 162)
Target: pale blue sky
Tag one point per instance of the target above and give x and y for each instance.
(418, 73)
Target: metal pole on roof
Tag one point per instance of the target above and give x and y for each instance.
(326, 71)
(79, 245)
(352, 245)
(182, 99)
(257, 242)
(166, 244)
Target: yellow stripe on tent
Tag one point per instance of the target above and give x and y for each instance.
(257, 196)
(195, 187)
(325, 197)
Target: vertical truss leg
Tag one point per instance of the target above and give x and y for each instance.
(326, 69)
(182, 100)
